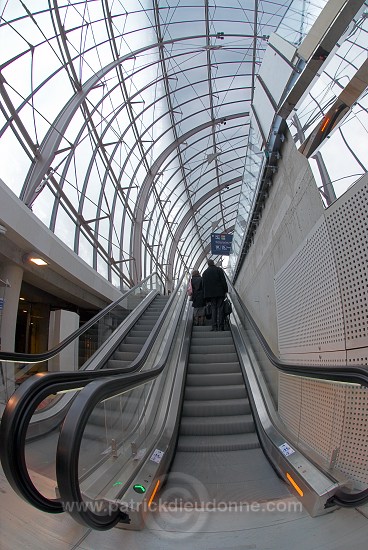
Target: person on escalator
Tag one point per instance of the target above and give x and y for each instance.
(197, 298)
(215, 289)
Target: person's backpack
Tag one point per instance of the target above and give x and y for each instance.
(228, 308)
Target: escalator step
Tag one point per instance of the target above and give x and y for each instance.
(216, 407)
(217, 348)
(115, 364)
(140, 340)
(220, 425)
(147, 323)
(140, 332)
(209, 443)
(212, 368)
(125, 347)
(213, 379)
(213, 357)
(227, 340)
(125, 355)
(214, 392)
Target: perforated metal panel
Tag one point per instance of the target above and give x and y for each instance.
(325, 359)
(357, 356)
(290, 398)
(322, 291)
(322, 310)
(353, 456)
(308, 299)
(330, 419)
(347, 222)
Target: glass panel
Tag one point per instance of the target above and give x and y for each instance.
(350, 135)
(299, 19)
(79, 353)
(116, 434)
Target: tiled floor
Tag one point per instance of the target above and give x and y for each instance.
(264, 527)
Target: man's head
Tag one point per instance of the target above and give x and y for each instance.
(210, 262)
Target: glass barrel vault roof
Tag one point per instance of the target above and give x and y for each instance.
(125, 123)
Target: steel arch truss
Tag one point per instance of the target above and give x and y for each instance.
(131, 123)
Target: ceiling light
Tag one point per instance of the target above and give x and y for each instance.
(34, 258)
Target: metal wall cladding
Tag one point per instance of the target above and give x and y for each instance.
(321, 296)
(328, 420)
(322, 291)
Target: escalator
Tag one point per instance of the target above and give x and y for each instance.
(204, 415)
(17, 427)
(129, 406)
(122, 328)
(132, 344)
(218, 445)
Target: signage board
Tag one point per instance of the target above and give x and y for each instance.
(221, 244)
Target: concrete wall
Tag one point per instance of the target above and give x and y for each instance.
(305, 281)
(292, 209)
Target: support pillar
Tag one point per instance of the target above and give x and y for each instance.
(62, 324)
(11, 276)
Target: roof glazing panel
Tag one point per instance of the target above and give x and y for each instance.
(126, 122)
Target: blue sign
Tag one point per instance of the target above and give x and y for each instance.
(221, 243)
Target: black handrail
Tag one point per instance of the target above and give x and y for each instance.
(26, 398)
(70, 439)
(341, 373)
(44, 356)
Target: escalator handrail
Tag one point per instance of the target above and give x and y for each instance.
(341, 373)
(17, 357)
(23, 403)
(67, 457)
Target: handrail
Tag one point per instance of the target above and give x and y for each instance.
(341, 373)
(26, 398)
(17, 357)
(71, 435)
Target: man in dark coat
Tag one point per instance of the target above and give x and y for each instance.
(215, 289)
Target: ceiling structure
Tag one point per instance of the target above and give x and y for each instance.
(125, 122)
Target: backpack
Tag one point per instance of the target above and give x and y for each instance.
(228, 308)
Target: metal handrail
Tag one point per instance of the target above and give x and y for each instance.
(17, 357)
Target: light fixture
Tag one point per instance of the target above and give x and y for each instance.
(34, 258)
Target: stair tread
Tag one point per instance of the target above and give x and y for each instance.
(210, 443)
(215, 379)
(218, 420)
